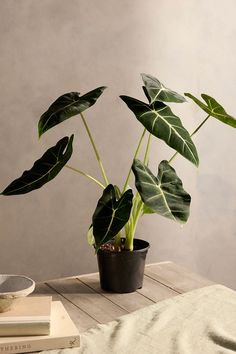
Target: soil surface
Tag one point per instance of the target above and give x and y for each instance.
(111, 247)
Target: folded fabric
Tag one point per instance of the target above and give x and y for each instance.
(202, 321)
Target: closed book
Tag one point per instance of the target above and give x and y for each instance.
(63, 334)
(28, 316)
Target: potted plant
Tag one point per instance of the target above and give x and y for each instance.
(121, 257)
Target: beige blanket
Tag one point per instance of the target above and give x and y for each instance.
(202, 321)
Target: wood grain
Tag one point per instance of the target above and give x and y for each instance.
(88, 300)
(129, 302)
(88, 304)
(80, 318)
(176, 277)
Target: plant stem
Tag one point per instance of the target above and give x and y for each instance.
(95, 149)
(200, 125)
(194, 132)
(137, 207)
(138, 215)
(137, 203)
(147, 149)
(135, 155)
(86, 175)
(117, 240)
(134, 217)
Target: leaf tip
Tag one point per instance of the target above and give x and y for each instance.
(123, 97)
(197, 163)
(187, 94)
(102, 88)
(4, 192)
(40, 130)
(182, 222)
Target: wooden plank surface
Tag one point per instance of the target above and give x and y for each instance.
(155, 291)
(94, 304)
(88, 304)
(176, 277)
(129, 302)
(80, 318)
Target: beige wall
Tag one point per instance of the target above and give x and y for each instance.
(49, 47)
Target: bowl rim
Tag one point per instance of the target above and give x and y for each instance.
(18, 292)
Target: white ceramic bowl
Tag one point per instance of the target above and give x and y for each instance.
(12, 287)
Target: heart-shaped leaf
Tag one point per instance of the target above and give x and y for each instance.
(158, 92)
(111, 214)
(162, 123)
(66, 106)
(163, 194)
(214, 109)
(44, 169)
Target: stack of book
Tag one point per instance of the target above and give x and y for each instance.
(37, 323)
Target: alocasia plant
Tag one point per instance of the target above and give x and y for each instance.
(119, 209)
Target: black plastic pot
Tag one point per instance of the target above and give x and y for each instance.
(122, 272)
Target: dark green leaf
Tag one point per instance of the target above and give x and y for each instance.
(158, 92)
(111, 214)
(163, 194)
(44, 169)
(67, 106)
(146, 94)
(162, 123)
(214, 109)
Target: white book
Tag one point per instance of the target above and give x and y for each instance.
(63, 334)
(28, 316)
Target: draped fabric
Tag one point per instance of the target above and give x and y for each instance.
(202, 321)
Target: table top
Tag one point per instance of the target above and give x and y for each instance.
(88, 305)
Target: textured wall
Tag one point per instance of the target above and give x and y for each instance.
(49, 47)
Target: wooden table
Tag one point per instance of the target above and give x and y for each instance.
(88, 305)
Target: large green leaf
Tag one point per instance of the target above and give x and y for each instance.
(44, 169)
(163, 194)
(162, 123)
(111, 214)
(67, 106)
(158, 92)
(214, 109)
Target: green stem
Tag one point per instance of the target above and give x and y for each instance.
(200, 125)
(138, 215)
(134, 217)
(135, 155)
(117, 240)
(129, 243)
(194, 132)
(173, 157)
(86, 175)
(95, 149)
(147, 149)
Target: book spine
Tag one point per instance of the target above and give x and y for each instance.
(24, 329)
(42, 344)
